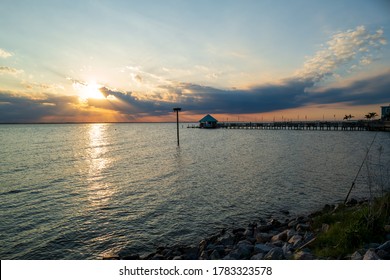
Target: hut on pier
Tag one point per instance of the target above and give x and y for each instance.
(208, 121)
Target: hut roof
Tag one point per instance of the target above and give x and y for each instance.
(208, 118)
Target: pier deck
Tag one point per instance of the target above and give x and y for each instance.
(306, 125)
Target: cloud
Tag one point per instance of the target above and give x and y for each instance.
(9, 70)
(153, 95)
(341, 49)
(24, 108)
(292, 93)
(4, 54)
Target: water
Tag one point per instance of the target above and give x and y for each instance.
(81, 191)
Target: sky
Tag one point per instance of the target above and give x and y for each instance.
(134, 61)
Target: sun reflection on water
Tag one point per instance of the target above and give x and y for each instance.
(100, 189)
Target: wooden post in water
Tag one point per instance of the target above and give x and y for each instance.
(177, 123)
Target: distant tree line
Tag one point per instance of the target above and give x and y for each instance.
(369, 116)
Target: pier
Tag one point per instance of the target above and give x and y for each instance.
(307, 125)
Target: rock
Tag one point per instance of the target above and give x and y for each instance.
(215, 255)
(275, 223)
(244, 249)
(278, 243)
(387, 228)
(383, 255)
(261, 248)
(295, 239)
(308, 236)
(249, 232)
(262, 237)
(327, 208)
(204, 255)
(226, 240)
(220, 249)
(275, 254)
(281, 236)
(239, 231)
(370, 255)
(357, 255)
(385, 246)
(302, 227)
(229, 257)
(290, 233)
(352, 202)
(158, 257)
(302, 255)
(292, 224)
(258, 256)
(287, 249)
(264, 228)
(111, 257)
(324, 228)
(177, 258)
(190, 253)
(372, 245)
(202, 245)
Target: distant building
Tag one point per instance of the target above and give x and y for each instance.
(385, 113)
(208, 122)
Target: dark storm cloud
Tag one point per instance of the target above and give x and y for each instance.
(24, 109)
(293, 93)
(374, 90)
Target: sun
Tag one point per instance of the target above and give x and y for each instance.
(88, 90)
(91, 90)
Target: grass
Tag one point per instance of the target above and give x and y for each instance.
(350, 228)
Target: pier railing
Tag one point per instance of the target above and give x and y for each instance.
(306, 125)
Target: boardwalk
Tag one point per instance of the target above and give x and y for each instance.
(305, 125)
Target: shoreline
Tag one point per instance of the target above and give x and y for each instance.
(290, 239)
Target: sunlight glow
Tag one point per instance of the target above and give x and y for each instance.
(89, 90)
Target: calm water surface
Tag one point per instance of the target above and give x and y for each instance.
(80, 191)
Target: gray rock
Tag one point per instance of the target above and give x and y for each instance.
(302, 227)
(258, 256)
(215, 255)
(302, 255)
(262, 237)
(261, 248)
(372, 245)
(278, 243)
(281, 236)
(295, 239)
(385, 246)
(287, 249)
(357, 255)
(383, 255)
(202, 245)
(291, 233)
(292, 224)
(210, 246)
(158, 257)
(370, 255)
(229, 257)
(226, 240)
(275, 254)
(177, 258)
(204, 255)
(244, 249)
(220, 249)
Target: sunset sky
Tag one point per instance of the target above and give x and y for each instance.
(98, 61)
